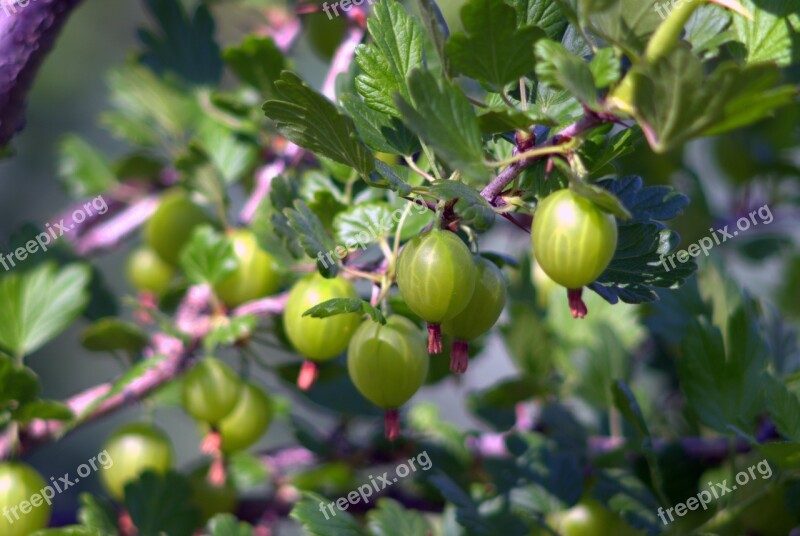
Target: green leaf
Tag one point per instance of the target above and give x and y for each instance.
(231, 153)
(704, 30)
(722, 381)
(602, 198)
(443, 117)
(257, 61)
(626, 23)
(42, 409)
(542, 13)
(148, 111)
(18, 385)
(385, 64)
(313, 237)
(338, 306)
(246, 471)
(380, 131)
(386, 177)
(390, 518)
(556, 66)
(309, 513)
(674, 102)
(311, 121)
(783, 407)
(208, 257)
(182, 44)
(111, 334)
(605, 67)
(496, 405)
(773, 34)
(364, 224)
(473, 208)
(497, 119)
(73, 530)
(228, 525)
(495, 50)
(161, 504)
(98, 514)
(38, 305)
(83, 169)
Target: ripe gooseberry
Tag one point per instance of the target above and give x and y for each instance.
(573, 242)
(135, 448)
(172, 224)
(388, 364)
(248, 421)
(479, 315)
(147, 272)
(318, 339)
(256, 276)
(436, 277)
(18, 483)
(210, 391)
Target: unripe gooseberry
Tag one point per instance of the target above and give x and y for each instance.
(318, 339)
(256, 276)
(18, 483)
(134, 449)
(479, 315)
(436, 277)
(388, 363)
(248, 421)
(147, 272)
(573, 242)
(172, 224)
(210, 390)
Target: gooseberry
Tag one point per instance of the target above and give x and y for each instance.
(256, 276)
(318, 339)
(147, 272)
(134, 449)
(436, 277)
(210, 390)
(248, 421)
(23, 500)
(172, 224)
(479, 315)
(388, 363)
(573, 242)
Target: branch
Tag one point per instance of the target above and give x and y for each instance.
(27, 35)
(507, 176)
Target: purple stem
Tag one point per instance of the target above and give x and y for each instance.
(27, 35)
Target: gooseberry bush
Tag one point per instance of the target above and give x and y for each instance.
(454, 239)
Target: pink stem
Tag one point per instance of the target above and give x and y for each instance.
(391, 422)
(308, 375)
(434, 339)
(576, 305)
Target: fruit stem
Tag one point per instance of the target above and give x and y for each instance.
(668, 33)
(576, 305)
(391, 423)
(434, 339)
(308, 375)
(459, 356)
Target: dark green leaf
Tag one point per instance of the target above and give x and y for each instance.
(385, 64)
(364, 224)
(556, 66)
(257, 61)
(182, 44)
(438, 32)
(390, 518)
(495, 50)
(385, 176)
(498, 119)
(312, 235)
(783, 407)
(42, 409)
(110, 334)
(98, 514)
(773, 34)
(443, 117)
(311, 121)
(542, 13)
(380, 131)
(161, 504)
(228, 525)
